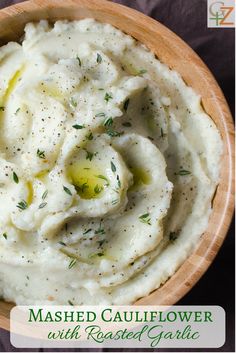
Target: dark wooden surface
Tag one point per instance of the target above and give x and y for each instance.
(216, 48)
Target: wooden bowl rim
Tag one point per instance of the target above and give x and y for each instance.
(195, 265)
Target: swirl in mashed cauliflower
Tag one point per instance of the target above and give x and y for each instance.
(108, 165)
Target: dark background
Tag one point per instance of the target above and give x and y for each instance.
(216, 47)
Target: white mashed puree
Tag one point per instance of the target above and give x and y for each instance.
(108, 165)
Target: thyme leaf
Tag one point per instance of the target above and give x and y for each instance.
(73, 102)
(22, 205)
(41, 154)
(89, 136)
(99, 58)
(67, 190)
(108, 122)
(118, 181)
(107, 97)
(98, 189)
(98, 115)
(45, 194)
(62, 243)
(72, 263)
(82, 187)
(142, 71)
(99, 254)
(78, 58)
(145, 218)
(89, 155)
(78, 127)
(42, 205)
(113, 167)
(100, 230)
(114, 133)
(114, 202)
(15, 178)
(87, 231)
(103, 177)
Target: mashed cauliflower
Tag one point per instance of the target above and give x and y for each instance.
(108, 165)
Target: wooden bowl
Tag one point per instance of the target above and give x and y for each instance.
(171, 50)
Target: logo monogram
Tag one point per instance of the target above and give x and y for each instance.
(221, 13)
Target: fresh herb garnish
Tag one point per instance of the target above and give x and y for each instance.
(42, 205)
(101, 242)
(142, 71)
(87, 231)
(114, 133)
(89, 155)
(45, 194)
(73, 102)
(62, 243)
(183, 172)
(17, 111)
(113, 167)
(98, 115)
(118, 181)
(82, 187)
(99, 58)
(126, 104)
(22, 205)
(100, 230)
(78, 58)
(89, 136)
(78, 127)
(114, 202)
(15, 178)
(103, 177)
(107, 97)
(127, 124)
(109, 130)
(5, 235)
(70, 302)
(145, 218)
(162, 133)
(72, 263)
(98, 189)
(67, 190)
(100, 254)
(108, 122)
(41, 154)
